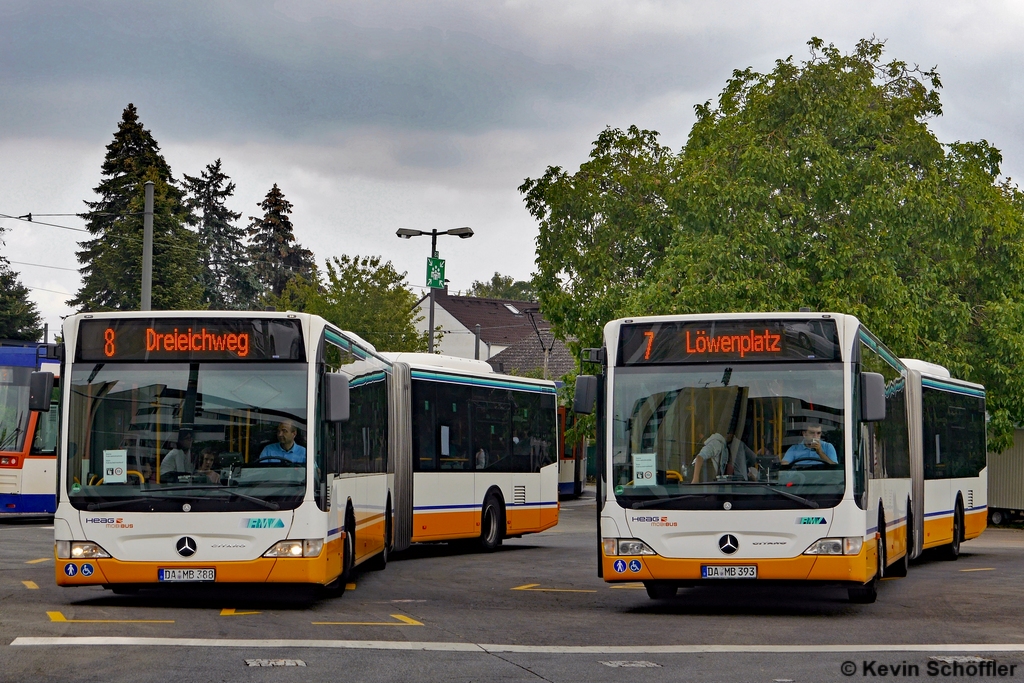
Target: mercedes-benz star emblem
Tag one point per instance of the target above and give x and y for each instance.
(186, 546)
(727, 544)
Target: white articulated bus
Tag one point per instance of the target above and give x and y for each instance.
(484, 451)
(221, 446)
(275, 448)
(761, 446)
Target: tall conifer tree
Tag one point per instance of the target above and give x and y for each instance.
(112, 259)
(19, 317)
(276, 256)
(229, 282)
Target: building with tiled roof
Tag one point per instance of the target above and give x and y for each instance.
(504, 324)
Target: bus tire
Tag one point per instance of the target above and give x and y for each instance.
(951, 551)
(348, 561)
(660, 590)
(492, 523)
(901, 567)
(883, 550)
(380, 560)
(864, 595)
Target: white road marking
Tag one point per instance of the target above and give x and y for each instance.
(106, 641)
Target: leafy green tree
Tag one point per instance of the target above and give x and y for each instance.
(229, 282)
(503, 287)
(365, 296)
(19, 317)
(276, 256)
(821, 184)
(602, 230)
(112, 259)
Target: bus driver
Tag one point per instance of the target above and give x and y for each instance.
(811, 450)
(285, 448)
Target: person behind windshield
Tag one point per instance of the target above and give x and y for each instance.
(811, 450)
(179, 459)
(716, 458)
(206, 460)
(285, 448)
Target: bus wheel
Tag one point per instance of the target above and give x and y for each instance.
(348, 562)
(952, 551)
(660, 590)
(492, 523)
(901, 567)
(864, 595)
(883, 549)
(380, 561)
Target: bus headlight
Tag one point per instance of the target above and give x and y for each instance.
(79, 550)
(626, 546)
(310, 547)
(836, 546)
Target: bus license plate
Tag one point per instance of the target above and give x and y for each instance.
(728, 571)
(187, 575)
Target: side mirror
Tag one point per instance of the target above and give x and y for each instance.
(337, 398)
(585, 395)
(872, 397)
(40, 391)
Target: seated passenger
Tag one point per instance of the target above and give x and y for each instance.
(285, 448)
(812, 450)
(206, 459)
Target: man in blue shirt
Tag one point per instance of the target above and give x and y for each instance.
(285, 448)
(812, 450)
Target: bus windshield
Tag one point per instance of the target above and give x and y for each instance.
(194, 436)
(746, 436)
(14, 411)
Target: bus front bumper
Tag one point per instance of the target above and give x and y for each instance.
(321, 570)
(858, 568)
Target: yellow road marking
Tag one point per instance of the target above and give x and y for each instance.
(981, 569)
(31, 585)
(350, 586)
(59, 618)
(533, 587)
(234, 613)
(41, 559)
(629, 586)
(402, 621)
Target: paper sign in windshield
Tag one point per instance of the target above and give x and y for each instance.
(644, 467)
(115, 466)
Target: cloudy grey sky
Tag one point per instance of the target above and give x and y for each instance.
(373, 116)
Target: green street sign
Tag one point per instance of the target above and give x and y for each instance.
(435, 273)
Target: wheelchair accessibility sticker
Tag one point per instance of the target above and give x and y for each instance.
(620, 565)
(70, 569)
(87, 569)
(635, 566)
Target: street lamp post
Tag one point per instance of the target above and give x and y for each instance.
(408, 233)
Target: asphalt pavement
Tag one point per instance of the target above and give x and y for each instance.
(532, 611)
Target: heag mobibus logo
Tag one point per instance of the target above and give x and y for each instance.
(654, 521)
(110, 522)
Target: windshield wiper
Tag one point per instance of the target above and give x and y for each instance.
(230, 492)
(785, 494)
(672, 499)
(128, 501)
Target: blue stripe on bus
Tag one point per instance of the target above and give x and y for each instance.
(28, 503)
(949, 512)
(367, 379)
(480, 382)
(478, 506)
(953, 388)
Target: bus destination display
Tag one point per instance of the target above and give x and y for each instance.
(728, 341)
(184, 339)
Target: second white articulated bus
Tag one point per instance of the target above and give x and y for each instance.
(275, 448)
(775, 447)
